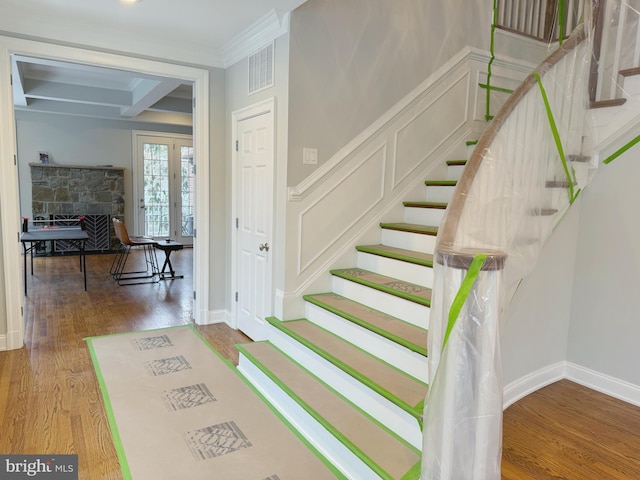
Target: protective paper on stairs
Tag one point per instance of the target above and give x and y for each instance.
(530, 165)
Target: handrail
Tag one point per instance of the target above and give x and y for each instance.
(454, 209)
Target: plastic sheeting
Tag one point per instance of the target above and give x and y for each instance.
(530, 165)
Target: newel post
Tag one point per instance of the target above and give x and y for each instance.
(462, 437)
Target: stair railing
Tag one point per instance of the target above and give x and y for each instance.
(617, 46)
(545, 20)
(526, 170)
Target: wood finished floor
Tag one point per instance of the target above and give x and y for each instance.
(50, 401)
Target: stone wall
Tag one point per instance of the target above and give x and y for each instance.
(75, 190)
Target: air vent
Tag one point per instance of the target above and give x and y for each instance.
(261, 69)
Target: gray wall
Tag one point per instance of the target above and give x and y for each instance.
(605, 321)
(351, 61)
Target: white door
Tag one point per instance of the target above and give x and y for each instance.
(165, 190)
(254, 223)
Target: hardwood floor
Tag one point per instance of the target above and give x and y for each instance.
(50, 400)
(49, 396)
(567, 431)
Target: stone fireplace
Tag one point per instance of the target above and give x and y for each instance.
(61, 193)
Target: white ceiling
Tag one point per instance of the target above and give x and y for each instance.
(187, 29)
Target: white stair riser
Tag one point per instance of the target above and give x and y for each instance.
(470, 149)
(409, 272)
(406, 310)
(423, 216)
(402, 358)
(409, 240)
(454, 172)
(387, 413)
(326, 443)
(439, 193)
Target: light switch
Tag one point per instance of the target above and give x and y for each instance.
(310, 156)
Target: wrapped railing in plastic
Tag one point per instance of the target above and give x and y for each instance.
(526, 170)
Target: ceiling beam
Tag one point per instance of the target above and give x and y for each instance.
(65, 92)
(148, 92)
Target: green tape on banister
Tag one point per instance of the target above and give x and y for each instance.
(620, 151)
(494, 21)
(461, 297)
(556, 137)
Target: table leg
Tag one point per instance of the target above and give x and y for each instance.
(24, 246)
(83, 264)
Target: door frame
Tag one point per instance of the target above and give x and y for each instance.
(9, 193)
(265, 107)
(136, 193)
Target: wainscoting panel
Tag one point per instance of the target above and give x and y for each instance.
(348, 201)
(431, 126)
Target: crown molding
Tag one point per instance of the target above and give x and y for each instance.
(256, 36)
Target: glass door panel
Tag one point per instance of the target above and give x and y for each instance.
(165, 182)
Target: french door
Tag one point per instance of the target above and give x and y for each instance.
(165, 186)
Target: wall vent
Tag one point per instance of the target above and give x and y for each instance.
(261, 69)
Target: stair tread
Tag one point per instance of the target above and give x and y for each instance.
(403, 333)
(437, 205)
(614, 102)
(355, 429)
(392, 383)
(411, 227)
(410, 256)
(456, 163)
(441, 183)
(393, 286)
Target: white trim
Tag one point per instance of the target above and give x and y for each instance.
(258, 35)
(614, 387)
(267, 106)
(216, 316)
(611, 386)
(8, 173)
(532, 382)
(3, 343)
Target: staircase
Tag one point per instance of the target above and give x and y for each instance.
(351, 376)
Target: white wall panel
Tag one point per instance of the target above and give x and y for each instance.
(334, 213)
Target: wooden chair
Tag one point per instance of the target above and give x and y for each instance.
(118, 271)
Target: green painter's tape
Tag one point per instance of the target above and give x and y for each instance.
(463, 293)
(556, 137)
(495, 89)
(620, 151)
(494, 22)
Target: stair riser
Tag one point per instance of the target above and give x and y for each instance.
(406, 310)
(454, 172)
(409, 272)
(326, 443)
(390, 415)
(439, 193)
(409, 241)
(394, 354)
(423, 216)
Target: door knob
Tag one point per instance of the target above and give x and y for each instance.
(264, 246)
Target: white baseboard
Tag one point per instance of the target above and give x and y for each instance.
(614, 387)
(528, 384)
(215, 316)
(3, 342)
